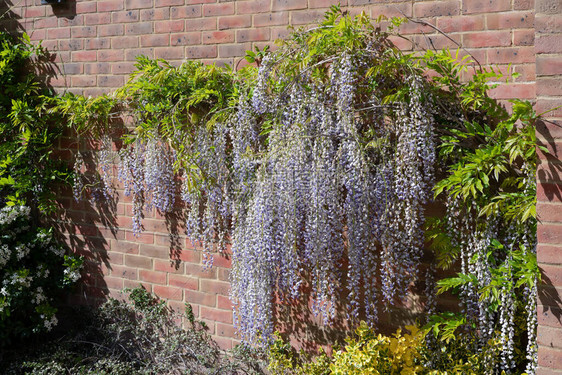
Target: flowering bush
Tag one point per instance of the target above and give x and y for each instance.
(33, 271)
(33, 266)
(322, 160)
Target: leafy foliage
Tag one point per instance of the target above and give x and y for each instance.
(326, 155)
(139, 337)
(34, 269)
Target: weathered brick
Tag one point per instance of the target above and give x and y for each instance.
(138, 261)
(437, 8)
(109, 5)
(83, 32)
(125, 16)
(510, 20)
(168, 26)
(137, 4)
(548, 44)
(84, 56)
(138, 28)
(551, 234)
(271, 19)
(218, 37)
(153, 277)
(253, 6)
(185, 12)
(169, 53)
(485, 6)
(186, 39)
(219, 9)
(183, 282)
(201, 24)
(216, 315)
(154, 14)
(252, 35)
(234, 50)
(110, 55)
(511, 55)
(97, 19)
(235, 22)
(278, 5)
(111, 30)
(111, 81)
(487, 39)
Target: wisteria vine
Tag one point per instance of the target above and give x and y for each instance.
(323, 162)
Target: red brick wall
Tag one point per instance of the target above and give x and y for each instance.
(95, 44)
(548, 42)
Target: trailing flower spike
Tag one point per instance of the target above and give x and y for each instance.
(323, 161)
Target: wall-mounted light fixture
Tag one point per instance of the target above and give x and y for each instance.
(45, 2)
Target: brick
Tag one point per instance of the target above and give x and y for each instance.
(152, 251)
(59, 33)
(279, 33)
(169, 26)
(252, 35)
(183, 282)
(110, 5)
(72, 68)
(216, 315)
(306, 17)
(111, 81)
(186, 12)
(138, 28)
(153, 277)
(97, 19)
(552, 105)
(487, 39)
(32, 12)
(124, 247)
(97, 43)
(168, 266)
(223, 302)
(83, 32)
(515, 55)
(223, 342)
(234, 50)
(526, 72)
(218, 37)
(201, 24)
(213, 286)
(548, 24)
(278, 5)
(168, 3)
(549, 315)
(167, 292)
(192, 296)
(549, 254)
(524, 37)
(186, 39)
(219, 9)
(110, 55)
(137, 4)
(124, 272)
(436, 8)
(125, 16)
(551, 358)
(138, 262)
(154, 40)
(83, 81)
(512, 20)
(84, 56)
(438, 41)
(199, 271)
(325, 3)
(548, 44)
(253, 6)
(86, 7)
(549, 337)
(271, 19)
(523, 4)
(155, 14)
(548, 7)
(549, 86)
(550, 234)
(168, 53)
(111, 30)
(45, 23)
(225, 330)
(235, 22)
(125, 42)
(200, 52)
(485, 6)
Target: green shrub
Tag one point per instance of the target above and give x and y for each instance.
(34, 269)
(139, 337)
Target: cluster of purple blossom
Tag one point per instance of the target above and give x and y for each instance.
(147, 173)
